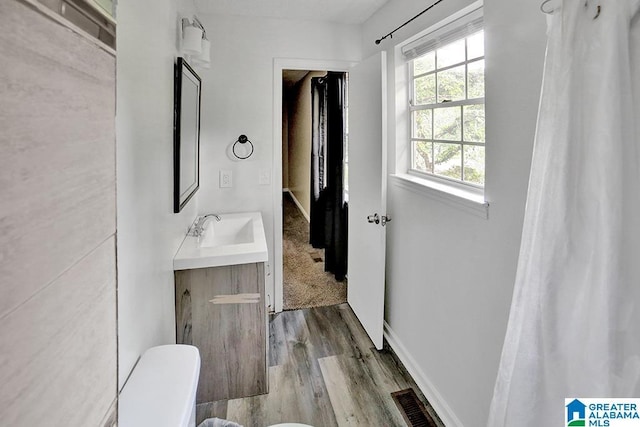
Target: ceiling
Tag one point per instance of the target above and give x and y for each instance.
(341, 11)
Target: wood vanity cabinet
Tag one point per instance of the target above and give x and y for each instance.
(221, 310)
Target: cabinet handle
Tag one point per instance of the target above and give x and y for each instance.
(236, 299)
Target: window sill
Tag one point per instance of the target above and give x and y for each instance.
(467, 201)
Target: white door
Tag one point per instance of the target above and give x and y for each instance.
(367, 193)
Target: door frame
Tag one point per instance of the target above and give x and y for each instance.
(280, 64)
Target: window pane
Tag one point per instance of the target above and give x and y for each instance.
(474, 164)
(448, 160)
(475, 45)
(447, 124)
(422, 124)
(473, 122)
(424, 90)
(424, 64)
(475, 83)
(422, 156)
(451, 84)
(450, 54)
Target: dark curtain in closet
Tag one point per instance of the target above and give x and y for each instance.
(328, 228)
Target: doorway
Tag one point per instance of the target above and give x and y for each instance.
(279, 65)
(367, 183)
(313, 183)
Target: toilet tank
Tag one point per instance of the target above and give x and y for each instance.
(161, 391)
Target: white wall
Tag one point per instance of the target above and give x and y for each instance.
(149, 233)
(285, 143)
(238, 99)
(449, 273)
(299, 140)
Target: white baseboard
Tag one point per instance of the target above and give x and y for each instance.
(427, 388)
(298, 204)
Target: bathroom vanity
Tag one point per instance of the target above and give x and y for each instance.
(221, 308)
(221, 311)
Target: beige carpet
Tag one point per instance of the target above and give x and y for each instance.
(306, 284)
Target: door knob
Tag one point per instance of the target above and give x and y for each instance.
(373, 218)
(385, 219)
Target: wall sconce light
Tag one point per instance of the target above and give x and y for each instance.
(203, 59)
(195, 44)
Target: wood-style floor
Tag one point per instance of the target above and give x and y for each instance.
(323, 371)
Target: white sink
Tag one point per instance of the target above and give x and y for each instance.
(228, 231)
(238, 238)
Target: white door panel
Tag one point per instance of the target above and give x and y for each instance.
(367, 193)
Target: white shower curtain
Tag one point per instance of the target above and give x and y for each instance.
(574, 326)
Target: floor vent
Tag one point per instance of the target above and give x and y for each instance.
(412, 409)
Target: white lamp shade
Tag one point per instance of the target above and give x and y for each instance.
(204, 58)
(191, 40)
(205, 55)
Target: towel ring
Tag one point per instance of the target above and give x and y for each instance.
(547, 11)
(242, 139)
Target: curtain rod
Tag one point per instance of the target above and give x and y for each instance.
(391, 33)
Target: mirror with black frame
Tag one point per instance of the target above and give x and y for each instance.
(186, 134)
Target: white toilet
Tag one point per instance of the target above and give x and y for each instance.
(161, 391)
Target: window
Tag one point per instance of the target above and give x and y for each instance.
(446, 103)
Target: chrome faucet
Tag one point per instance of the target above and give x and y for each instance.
(198, 227)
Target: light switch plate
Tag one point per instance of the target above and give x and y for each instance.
(226, 179)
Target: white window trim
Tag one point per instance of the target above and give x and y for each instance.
(457, 197)
(453, 193)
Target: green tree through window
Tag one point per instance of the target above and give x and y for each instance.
(447, 111)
